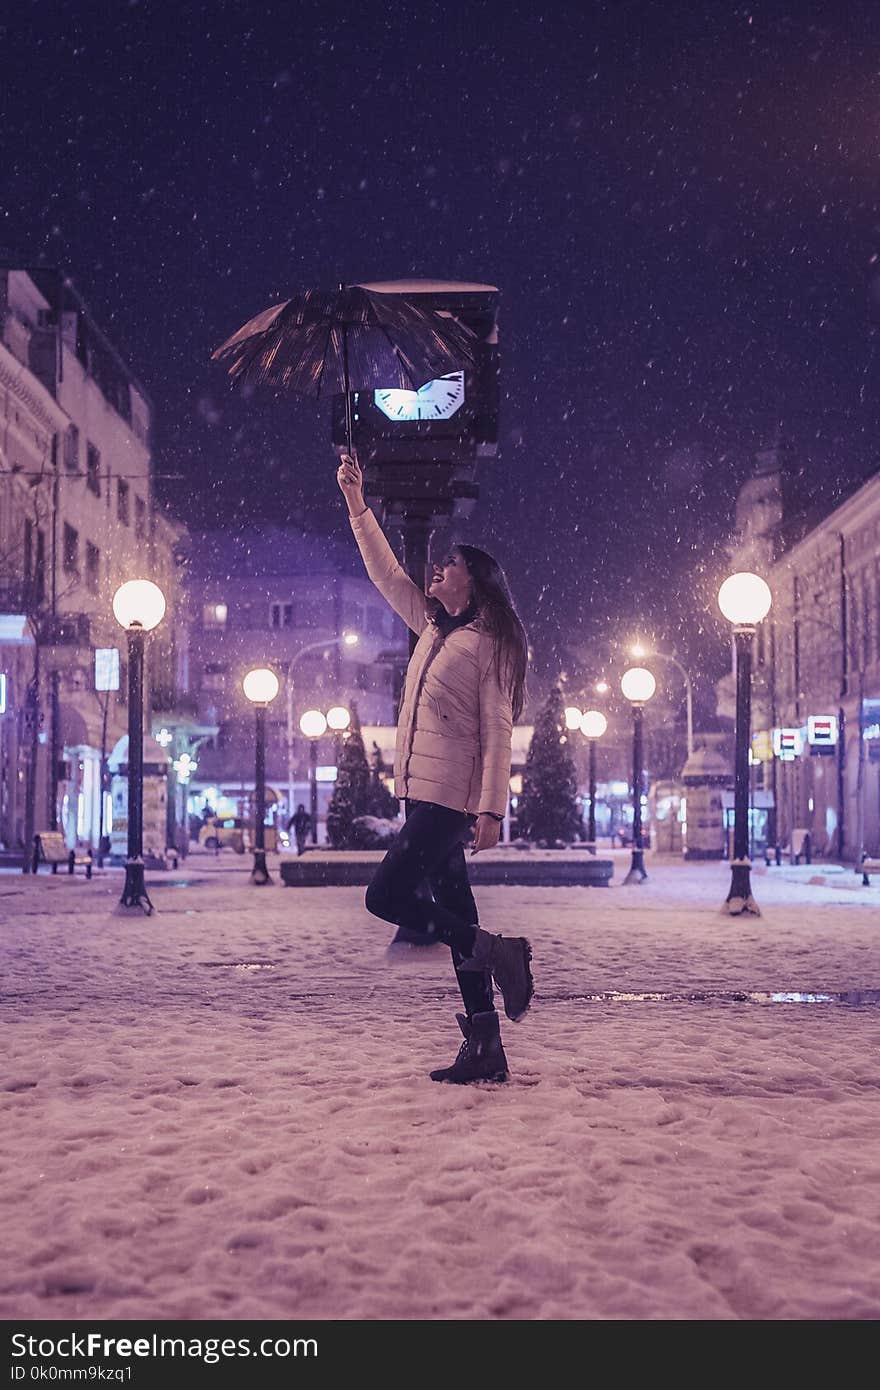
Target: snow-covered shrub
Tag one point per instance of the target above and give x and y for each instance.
(372, 832)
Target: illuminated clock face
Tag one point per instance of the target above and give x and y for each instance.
(436, 400)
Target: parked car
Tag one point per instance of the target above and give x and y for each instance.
(233, 831)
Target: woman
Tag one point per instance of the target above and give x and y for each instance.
(464, 688)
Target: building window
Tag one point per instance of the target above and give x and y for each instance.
(377, 625)
(93, 567)
(281, 615)
(140, 517)
(71, 449)
(122, 508)
(214, 675)
(71, 549)
(214, 615)
(93, 469)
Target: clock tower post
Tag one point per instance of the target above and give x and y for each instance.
(420, 450)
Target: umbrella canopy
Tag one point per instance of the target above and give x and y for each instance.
(349, 340)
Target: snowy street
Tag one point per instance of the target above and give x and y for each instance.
(223, 1111)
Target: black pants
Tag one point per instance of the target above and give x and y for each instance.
(422, 885)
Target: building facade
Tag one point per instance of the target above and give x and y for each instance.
(286, 600)
(77, 518)
(816, 702)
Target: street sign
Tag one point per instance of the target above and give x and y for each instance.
(787, 744)
(106, 668)
(822, 732)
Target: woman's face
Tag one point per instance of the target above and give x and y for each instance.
(451, 583)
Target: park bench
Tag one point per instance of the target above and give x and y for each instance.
(866, 868)
(49, 848)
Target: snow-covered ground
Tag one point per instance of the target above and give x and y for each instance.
(223, 1111)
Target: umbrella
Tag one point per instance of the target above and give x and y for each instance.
(351, 339)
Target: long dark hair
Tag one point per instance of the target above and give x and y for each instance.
(498, 616)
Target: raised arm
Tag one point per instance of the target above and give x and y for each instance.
(382, 565)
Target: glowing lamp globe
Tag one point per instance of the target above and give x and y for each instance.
(745, 599)
(572, 717)
(312, 723)
(350, 639)
(638, 685)
(338, 718)
(139, 603)
(593, 723)
(260, 686)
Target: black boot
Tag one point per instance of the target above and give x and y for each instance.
(509, 960)
(481, 1055)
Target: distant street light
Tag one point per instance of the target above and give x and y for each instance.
(593, 726)
(260, 687)
(637, 685)
(313, 724)
(640, 652)
(338, 719)
(744, 600)
(138, 606)
(348, 639)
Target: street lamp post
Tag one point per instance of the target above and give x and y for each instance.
(338, 719)
(745, 601)
(593, 726)
(348, 639)
(637, 685)
(260, 687)
(639, 652)
(138, 606)
(313, 725)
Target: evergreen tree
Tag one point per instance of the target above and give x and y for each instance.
(383, 803)
(351, 794)
(548, 807)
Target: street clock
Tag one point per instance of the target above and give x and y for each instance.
(436, 400)
(421, 448)
(451, 420)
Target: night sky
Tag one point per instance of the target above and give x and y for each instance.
(678, 202)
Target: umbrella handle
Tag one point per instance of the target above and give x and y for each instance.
(348, 420)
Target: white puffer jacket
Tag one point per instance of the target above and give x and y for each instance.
(455, 723)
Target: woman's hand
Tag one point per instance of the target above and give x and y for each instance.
(351, 481)
(486, 833)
